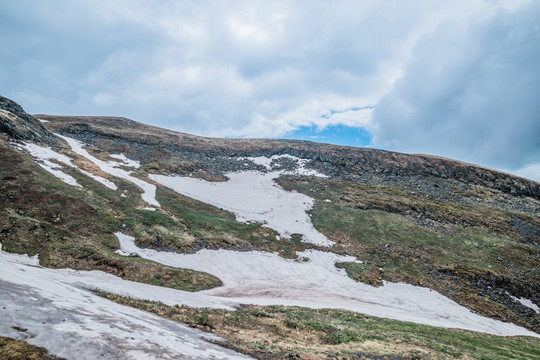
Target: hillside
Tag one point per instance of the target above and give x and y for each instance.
(204, 226)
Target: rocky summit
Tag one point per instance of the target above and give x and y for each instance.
(141, 242)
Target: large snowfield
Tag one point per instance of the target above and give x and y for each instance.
(60, 313)
(54, 309)
(266, 279)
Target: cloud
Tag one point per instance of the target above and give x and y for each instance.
(470, 92)
(450, 78)
(531, 171)
(206, 67)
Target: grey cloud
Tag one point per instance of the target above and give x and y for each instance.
(65, 55)
(470, 92)
(52, 48)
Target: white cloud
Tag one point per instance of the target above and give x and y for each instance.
(531, 172)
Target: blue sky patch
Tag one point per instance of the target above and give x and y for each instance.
(337, 135)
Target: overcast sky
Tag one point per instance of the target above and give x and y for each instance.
(459, 79)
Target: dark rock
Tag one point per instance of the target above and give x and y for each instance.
(18, 125)
(528, 229)
(159, 245)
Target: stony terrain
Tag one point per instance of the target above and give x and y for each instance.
(470, 233)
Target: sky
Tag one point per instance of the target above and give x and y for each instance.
(459, 79)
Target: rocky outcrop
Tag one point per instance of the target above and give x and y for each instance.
(18, 125)
(342, 162)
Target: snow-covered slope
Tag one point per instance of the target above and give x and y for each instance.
(267, 279)
(114, 168)
(255, 196)
(49, 308)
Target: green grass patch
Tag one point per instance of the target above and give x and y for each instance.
(279, 331)
(394, 247)
(73, 227)
(11, 349)
(217, 228)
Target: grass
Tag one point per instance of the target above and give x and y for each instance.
(70, 227)
(73, 227)
(218, 228)
(275, 332)
(394, 247)
(11, 349)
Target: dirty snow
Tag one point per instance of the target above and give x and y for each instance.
(313, 281)
(44, 155)
(255, 196)
(114, 168)
(126, 162)
(526, 302)
(73, 323)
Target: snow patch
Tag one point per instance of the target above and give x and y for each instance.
(259, 160)
(43, 121)
(44, 155)
(526, 302)
(73, 323)
(255, 196)
(313, 281)
(22, 258)
(113, 168)
(126, 162)
(100, 179)
(270, 164)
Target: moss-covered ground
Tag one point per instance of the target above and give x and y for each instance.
(12, 349)
(73, 227)
(277, 332)
(466, 244)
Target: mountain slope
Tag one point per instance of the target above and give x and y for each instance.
(470, 233)
(458, 207)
